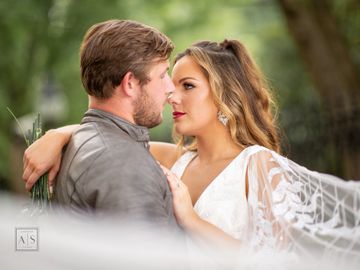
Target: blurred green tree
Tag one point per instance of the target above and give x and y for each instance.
(40, 43)
(326, 50)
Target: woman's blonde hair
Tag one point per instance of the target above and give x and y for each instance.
(239, 92)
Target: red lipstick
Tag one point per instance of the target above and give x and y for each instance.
(177, 114)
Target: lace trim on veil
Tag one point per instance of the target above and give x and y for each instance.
(292, 208)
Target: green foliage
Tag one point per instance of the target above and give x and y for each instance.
(41, 38)
(40, 195)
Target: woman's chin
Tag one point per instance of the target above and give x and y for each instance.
(182, 130)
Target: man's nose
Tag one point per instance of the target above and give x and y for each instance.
(170, 86)
(173, 97)
(169, 96)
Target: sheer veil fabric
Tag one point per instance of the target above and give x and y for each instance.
(287, 208)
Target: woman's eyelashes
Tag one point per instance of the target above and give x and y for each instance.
(188, 86)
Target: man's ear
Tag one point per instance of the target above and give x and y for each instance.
(130, 84)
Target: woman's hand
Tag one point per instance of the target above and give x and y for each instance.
(45, 155)
(187, 218)
(183, 208)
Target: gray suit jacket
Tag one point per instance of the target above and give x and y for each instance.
(107, 168)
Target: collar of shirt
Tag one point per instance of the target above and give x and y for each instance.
(138, 133)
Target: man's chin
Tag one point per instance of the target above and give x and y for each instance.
(149, 122)
(155, 123)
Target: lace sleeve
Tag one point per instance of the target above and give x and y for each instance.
(295, 209)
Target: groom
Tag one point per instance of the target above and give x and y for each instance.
(107, 167)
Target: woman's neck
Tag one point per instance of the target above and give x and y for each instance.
(216, 145)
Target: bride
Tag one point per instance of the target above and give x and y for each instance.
(230, 184)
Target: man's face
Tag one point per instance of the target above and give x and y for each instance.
(150, 103)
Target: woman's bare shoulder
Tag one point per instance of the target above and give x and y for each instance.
(165, 153)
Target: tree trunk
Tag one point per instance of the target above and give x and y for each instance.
(323, 49)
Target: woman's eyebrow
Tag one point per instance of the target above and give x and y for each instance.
(187, 78)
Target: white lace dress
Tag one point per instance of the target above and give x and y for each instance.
(287, 207)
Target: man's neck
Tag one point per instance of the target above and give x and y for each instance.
(114, 106)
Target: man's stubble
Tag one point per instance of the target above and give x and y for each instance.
(146, 111)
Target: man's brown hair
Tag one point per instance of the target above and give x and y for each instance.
(112, 48)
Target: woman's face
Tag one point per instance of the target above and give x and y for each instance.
(193, 108)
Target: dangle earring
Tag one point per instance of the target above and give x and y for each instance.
(222, 118)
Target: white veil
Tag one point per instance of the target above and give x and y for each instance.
(301, 211)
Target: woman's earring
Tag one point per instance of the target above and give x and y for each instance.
(222, 118)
